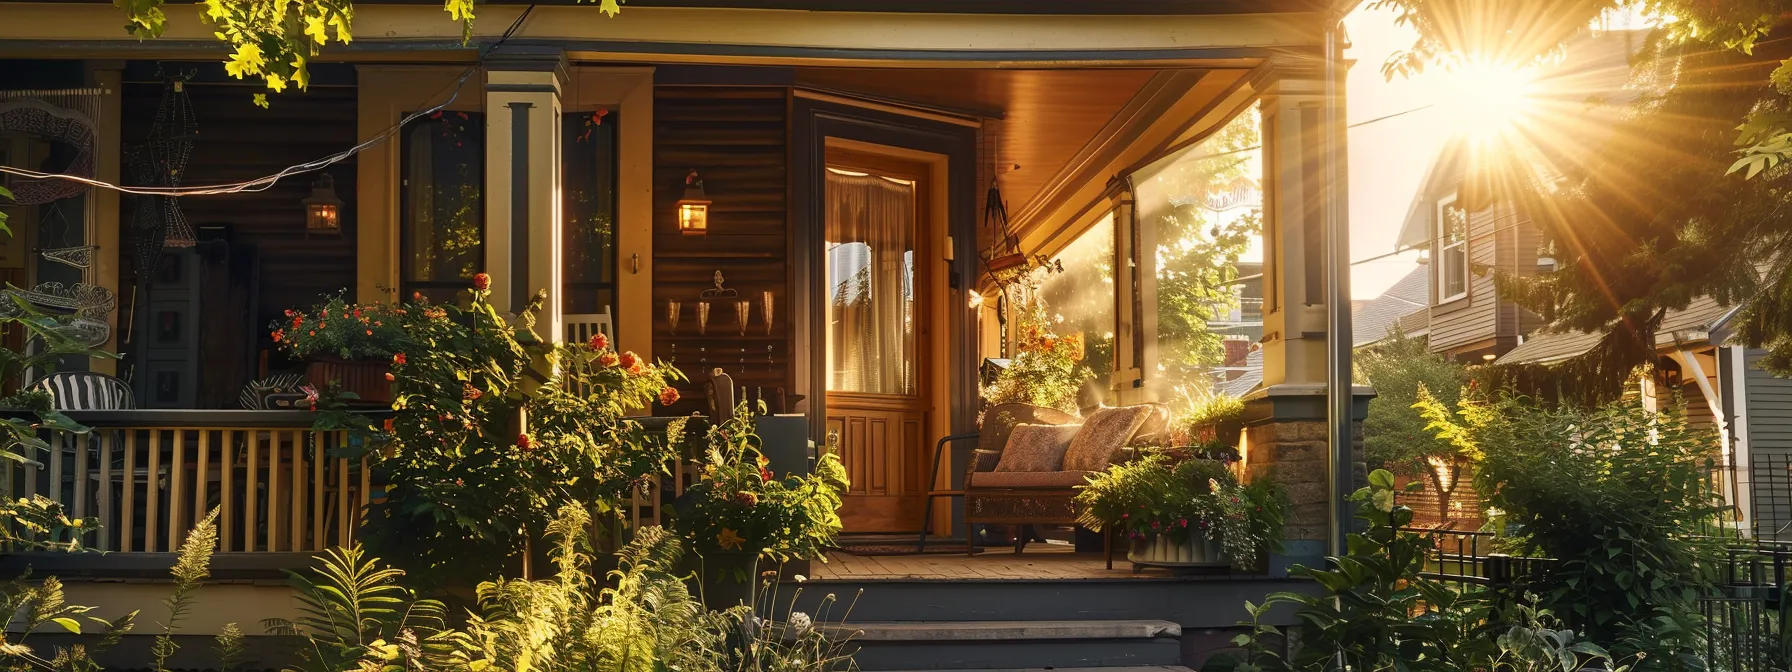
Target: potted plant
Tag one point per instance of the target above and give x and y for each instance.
(1184, 512)
(1047, 368)
(1218, 419)
(351, 345)
(740, 512)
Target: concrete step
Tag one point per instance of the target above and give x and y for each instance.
(1014, 645)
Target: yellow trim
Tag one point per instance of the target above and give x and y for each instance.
(750, 27)
(630, 91)
(102, 228)
(885, 107)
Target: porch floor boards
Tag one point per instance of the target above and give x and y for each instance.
(1049, 562)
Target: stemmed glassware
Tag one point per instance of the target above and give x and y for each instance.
(743, 310)
(702, 329)
(673, 310)
(767, 299)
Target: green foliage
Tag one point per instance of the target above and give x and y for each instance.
(1375, 612)
(740, 505)
(229, 647)
(1047, 368)
(5, 228)
(348, 331)
(469, 483)
(355, 611)
(1158, 495)
(1395, 434)
(39, 523)
(191, 565)
(275, 40)
(1202, 419)
(1620, 496)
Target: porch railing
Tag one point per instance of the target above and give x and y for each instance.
(148, 476)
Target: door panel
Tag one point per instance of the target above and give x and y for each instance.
(876, 263)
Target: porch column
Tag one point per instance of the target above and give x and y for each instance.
(1287, 430)
(522, 180)
(1126, 380)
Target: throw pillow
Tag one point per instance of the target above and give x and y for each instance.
(1104, 434)
(1036, 448)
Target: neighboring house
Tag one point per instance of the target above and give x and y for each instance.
(556, 157)
(1371, 321)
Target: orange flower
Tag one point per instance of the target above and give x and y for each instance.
(278, 334)
(398, 359)
(629, 361)
(729, 539)
(598, 342)
(388, 425)
(390, 377)
(668, 397)
(369, 332)
(482, 281)
(607, 359)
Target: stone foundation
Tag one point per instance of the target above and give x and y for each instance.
(1286, 435)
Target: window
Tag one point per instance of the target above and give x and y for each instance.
(1200, 211)
(1451, 259)
(441, 214)
(1080, 300)
(871, 223)
(588, 204)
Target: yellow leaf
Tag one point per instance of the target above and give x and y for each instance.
(261, 100)
(276, 83)
(314, 26)
(245, 60)
(609, 7)
(214, 10)
(340, 22)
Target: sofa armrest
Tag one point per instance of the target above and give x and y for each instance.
(983, 460)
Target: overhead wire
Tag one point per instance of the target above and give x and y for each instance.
(267, 182)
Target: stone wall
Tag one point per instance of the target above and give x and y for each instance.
(1295, 452)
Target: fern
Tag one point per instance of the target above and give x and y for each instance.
(352, 610)
(229, 648)
(193, 565)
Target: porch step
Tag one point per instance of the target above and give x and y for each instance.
(1016, 645)
(1141, 668)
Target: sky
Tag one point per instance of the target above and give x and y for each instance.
(1387, 157)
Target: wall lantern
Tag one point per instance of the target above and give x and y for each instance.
(693, 208)
(323, 210)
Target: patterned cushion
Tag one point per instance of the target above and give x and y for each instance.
(1030, 479)
(1104, 434)
(1036, 448)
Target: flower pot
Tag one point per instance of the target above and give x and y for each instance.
(1161, 551)
(365, 378)
(729, 578)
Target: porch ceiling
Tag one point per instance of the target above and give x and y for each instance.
(1047, 116)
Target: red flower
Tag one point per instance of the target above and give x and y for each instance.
(668, 397)
(607, 359)
(630, 361)
(289, 312)
(398, 359)
(482, 281)
(470, 393)
(598, 342)
(388, 425)
(298, 320)
(416, 296)
(278, 334)
(765, 474)
(1184, 522)
(522, 441)
(747, 498)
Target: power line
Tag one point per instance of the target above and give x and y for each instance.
(267, 182)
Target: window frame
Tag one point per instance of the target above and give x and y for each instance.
(406, 285)
(614, 284)
(1439, 283)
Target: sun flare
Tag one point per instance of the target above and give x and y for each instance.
(1484, 99)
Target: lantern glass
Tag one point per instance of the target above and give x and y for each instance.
(693, 218)
(323, 217)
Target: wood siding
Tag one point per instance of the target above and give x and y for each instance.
(736, 138)
(1769, 418)
(238, 141)
(1502, 238)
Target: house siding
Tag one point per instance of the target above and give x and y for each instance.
(1768, 403)
(1475, 319)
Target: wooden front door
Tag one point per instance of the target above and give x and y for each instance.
(876, 345)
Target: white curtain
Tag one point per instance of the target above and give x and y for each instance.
(870, 269)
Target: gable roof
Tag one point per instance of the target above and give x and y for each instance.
(1690, 324)
(1374, 319)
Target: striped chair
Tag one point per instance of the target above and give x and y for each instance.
(87, 391)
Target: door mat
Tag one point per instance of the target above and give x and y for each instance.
(933, 548)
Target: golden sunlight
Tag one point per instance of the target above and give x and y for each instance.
(1485, 99)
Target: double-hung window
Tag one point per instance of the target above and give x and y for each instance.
(1451, 245)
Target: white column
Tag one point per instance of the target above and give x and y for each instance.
(522, 180)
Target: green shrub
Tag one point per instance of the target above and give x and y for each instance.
(1157, 495)
(741, 505)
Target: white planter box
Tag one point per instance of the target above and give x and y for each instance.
(1196, 551)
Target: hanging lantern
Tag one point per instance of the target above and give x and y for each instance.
(693, 208)
(323, 210)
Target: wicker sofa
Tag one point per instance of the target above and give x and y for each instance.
(1026, 494)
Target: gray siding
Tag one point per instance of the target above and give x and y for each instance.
(1476, 318)
(1769, 418)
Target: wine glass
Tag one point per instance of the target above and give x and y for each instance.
(768, 313)
(743, 310)
(703, 329)
(673, 311)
